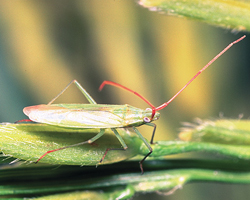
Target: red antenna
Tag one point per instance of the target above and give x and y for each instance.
(154, 109)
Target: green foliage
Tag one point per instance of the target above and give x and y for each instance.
(30, 141)
(122, 180)
(229, 14)
(118, 181)
(22, 144)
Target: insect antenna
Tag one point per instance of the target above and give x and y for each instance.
(154, 109)
(199, 72)
(134, 92)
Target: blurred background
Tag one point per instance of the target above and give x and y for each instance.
(46, 44)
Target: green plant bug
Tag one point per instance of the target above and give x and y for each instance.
(102, 116)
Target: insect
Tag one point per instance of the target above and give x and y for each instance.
(104, 116)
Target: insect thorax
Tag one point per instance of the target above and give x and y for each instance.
(135, 116)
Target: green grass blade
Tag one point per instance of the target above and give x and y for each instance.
(231, 132)
(164, 148)
(229, 14)
(121, 180)
(30, 141)
(118, 180)
(230, 138)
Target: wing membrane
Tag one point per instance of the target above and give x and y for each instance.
(78, 118)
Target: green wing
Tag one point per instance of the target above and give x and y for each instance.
(80, 117)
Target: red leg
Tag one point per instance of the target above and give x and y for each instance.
(48, 153)
(23, 120)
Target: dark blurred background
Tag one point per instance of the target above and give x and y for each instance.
(46, 44)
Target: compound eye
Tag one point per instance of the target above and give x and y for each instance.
(146, 120)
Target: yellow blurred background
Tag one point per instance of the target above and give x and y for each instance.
(46, 44)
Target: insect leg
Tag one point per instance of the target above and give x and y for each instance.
(119, 138)
(85, 93)
(153, 134)
(73, 145)
(148, 146)
(121, 141)
(23, 120)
